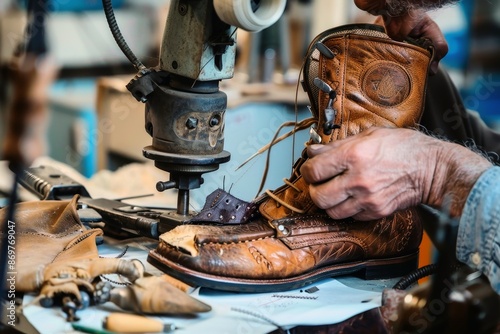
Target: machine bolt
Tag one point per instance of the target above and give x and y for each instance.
(214, 121)
(162, 186)
(191, 123)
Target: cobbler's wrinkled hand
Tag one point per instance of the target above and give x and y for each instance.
(413, 24)
(382, 170)
(366, 176)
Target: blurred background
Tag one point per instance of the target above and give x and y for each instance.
(96, 124)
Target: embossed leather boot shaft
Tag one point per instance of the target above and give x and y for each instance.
(356, 77)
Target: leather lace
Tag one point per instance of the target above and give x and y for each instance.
(297, 126)
(282, 202)
(306, 123)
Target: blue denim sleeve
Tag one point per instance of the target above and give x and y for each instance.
(478, 243)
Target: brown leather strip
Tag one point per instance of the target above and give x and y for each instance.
(306, 224)
(314, 239)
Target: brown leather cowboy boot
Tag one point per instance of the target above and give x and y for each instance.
(356, 77)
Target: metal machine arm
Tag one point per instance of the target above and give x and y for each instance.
(184, 106)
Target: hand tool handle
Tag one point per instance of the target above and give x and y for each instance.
(130, 323)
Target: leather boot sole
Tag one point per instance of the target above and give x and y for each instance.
(369, 269)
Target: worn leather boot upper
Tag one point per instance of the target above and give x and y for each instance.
(356, 78)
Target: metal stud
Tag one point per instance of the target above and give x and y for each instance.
(324, 50)
(315, 137)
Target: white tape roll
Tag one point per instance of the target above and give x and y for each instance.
(239, 13)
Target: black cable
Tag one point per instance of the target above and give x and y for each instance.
(414, 276)
(419, 273)
(115, 30)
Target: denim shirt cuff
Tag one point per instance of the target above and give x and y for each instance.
(478, 243)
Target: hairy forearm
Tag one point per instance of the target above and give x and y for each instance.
(456, 171)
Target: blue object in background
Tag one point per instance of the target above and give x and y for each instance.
(481, 93)
(459, 39)
(249, 127)
(72, 133)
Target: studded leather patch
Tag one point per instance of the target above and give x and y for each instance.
(386, 83)
(223, 208)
